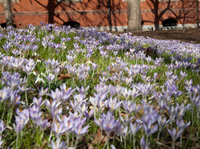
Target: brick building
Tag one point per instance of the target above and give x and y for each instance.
(101, 13)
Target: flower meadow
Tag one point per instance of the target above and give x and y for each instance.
(66, 88)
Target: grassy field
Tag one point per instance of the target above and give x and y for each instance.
(80, 88)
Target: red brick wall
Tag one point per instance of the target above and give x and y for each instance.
(95, 12)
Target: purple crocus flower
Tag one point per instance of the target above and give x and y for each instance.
(112, 146)
(34, 48)
(81, 108)
(149, 129)
(162, 122)
(63, 95)
(18, 127)
(15, 52)
(113, 104)
(21, 120)
(56, 71)
(42, 124)
(65, 89)
(130, 106)
(103, 79)
(80, 98)
(22, 115)
(58, 128)
(53, 107)
(56, 45)
(126, 92)
(173, 112)
(51, 64)
(175, 134)
(181, 124)
(1, 142)
(82, 90)
(35, 112)
(17, 63)
(28, 68)
(124, 131)
(5, 94)
(6, 47)
(196, 102)
(145, 89)
(127, 80)
(2, 127)
(107, 122)
(101, 88)
(38, 102)
(1, 55)
(182, 109)
(135, 93)
(58, 144)
(15, 98)
(98, 100)
(143, 143)
(158, 61)
(183, 74)
(112, 90)
(50, 77)
(188, 82)
(134, 128)
(94, 66)
(70, 58)
(55, 95)
(89, 114)
(69, 123)
(79, 130)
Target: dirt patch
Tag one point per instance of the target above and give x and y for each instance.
(185, 35)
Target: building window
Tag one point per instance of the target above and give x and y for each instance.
(126, 0)
(12, 1)
(168, 0)
(69, 1)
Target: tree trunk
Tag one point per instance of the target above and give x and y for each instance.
(197, 5)
(134, 15)
(8, 13)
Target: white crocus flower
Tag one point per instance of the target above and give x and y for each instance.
(42, 74)
(88, 62)
(35, 54)
(39, 79)
(38, 61)
(33, 72)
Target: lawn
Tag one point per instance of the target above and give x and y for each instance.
(80, 88)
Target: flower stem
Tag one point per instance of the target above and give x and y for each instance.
(72, 143)
(134, 142)
(42, 136)
(76, 142)
(17, 141)
(67, 140)
(3, 113)
(84, 81)
(192, 115)
(198, 123)
(158, 136)
(26, 95)
(51, 130)
(181, 140)
(107, 141)
(173, 144)
(10, 115)
(125, 142)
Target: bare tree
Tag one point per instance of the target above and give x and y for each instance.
(197, 5)
(8, 13)
(134, 15)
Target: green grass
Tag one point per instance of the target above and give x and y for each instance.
(30, 138)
